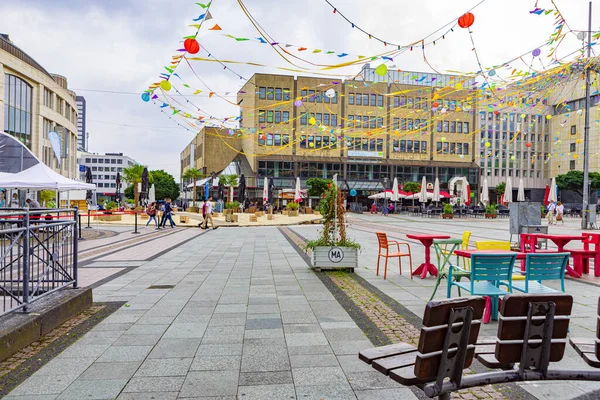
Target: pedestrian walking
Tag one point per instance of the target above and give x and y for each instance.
(560, 211)
(374, 208)
(167, 214)
(551, 209)
(152, 214)
(204, 208)
(208, 217)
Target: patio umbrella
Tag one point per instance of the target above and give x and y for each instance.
(242, 189)
(485, 196)
(552, 198)
(88, 179)
(508, 191)
(546, 195)
(152, 194)
(145, 182)
(395, 193)
(521, 192)
(271, 188)
(266, 190)
(436, 190)
(468, 201)
(465, 193)
(221, 191)
(423, 194)
(118, 187)
(297, 194)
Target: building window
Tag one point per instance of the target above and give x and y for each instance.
(262, 93)
(286, 117)
(17, 108)
(303, 119)
(373, 99)
(101, 161)
(572, 147)
(88, 160)
(311, 96)
(465, 127)
(351, 99)
(269, 117)
(333, 120)
(573, 129)
(572, 164)
(358, 99)
(365, 100)
(47, 98)
(286, 94)
(270, 93)
(113, 161)
(94, 160)
(119, 161)
(278, 94)
(261, 117)
(277, 117)
(261, 140)
(453, 126)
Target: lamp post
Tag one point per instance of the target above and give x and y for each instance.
(586, 135)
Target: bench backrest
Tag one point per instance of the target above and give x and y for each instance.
(492, 267)
(525, 322)
(545, 267)
(435, 336)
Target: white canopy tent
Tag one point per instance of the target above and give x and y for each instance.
(41, 177)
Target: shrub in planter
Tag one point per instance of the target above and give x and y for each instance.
(491, 211)
(292, 209)
(448, 212)
(543, 211)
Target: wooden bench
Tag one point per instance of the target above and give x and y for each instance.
(589, 349)
(532, 332)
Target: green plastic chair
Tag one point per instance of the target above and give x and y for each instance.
(488, 272)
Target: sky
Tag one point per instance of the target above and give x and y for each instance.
(111, 50)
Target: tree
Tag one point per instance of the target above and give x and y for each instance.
(164, 185)
(193, 174)
(500, 188)
(573, 180)
(129, 192)
(133, 176)
(412, 188)
(46, 196)
(230, 181)
(317, 186)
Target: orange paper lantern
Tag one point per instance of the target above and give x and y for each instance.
(466, 20)
(191, 46)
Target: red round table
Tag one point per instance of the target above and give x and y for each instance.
(427, 266)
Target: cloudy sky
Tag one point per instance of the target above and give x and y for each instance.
(111, 50)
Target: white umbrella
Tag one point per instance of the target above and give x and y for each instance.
(464, 192)
(266, 190)
(436, 190)
(423, 194)
(485, 196)
(152, 194)
(297, 192)
(521, 192)
(552, 196)
(395, 193)
(382, 195)
(508, 191)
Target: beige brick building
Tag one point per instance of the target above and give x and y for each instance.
(33, 103)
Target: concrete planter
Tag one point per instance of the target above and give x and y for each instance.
(109, 217)
(447, 216)
(491, 216)
(335, 258)
(227, 211)
(293, 213)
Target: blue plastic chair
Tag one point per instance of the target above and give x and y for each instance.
(488, 271)
(543, 267)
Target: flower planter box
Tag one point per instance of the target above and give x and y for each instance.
(231, 218)
(447, 216)
(293, 213)
(227, 211)
(308, 210)
(317, 212)
(335, 258)
(253, 218)
(270, 217)
(284, 212)
(144, 216)
(259, 214)
(491, 216)
(184, 219)
(110, 218)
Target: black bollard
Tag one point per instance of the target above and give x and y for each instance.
(136, 231)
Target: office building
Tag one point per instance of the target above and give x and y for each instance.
(35, 103)
(104, 168)
(82, 135)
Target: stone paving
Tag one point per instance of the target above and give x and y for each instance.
(245, 317)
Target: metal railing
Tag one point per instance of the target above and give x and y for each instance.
(38, 255)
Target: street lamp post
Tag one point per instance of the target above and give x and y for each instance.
(385, 186)
(586, 135)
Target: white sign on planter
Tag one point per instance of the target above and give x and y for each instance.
(330, 258)
(336, 255)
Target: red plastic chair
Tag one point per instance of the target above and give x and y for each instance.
(581, 257)
(384, 246)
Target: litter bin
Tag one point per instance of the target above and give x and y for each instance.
(536, 229)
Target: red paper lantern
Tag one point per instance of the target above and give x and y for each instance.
(436, 104)
(466, 20)
(191, 46)
(496, 112)
(528, 145)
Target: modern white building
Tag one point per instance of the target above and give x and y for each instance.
(82, 134)
(104, 168)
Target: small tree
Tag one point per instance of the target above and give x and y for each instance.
(230, 181)
(164, 185)
(573, 180)
(412, 188)
(500, 188)
(47, 196)
(133, 176)
(193, 174)
(317, 186)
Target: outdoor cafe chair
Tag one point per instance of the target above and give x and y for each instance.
(492, 245)
(581, 257)
(488, 271)
(543, 267)
(384, 251)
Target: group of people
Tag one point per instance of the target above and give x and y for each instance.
(14, 201)
(167, 214)
(555, 213)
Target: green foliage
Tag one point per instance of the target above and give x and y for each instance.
(164, 185)
(411, 187)
(573, 180)
(111, 205)
(228, 180)
(46, 196)
(234, 205)
(133, 176)
(543, 209)
(491, 208)
(448, 209)
(317, 186)
(129, 193)
(292, 206)
(193, 174)
(51, 204)
(321, 242)
(500, 188)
